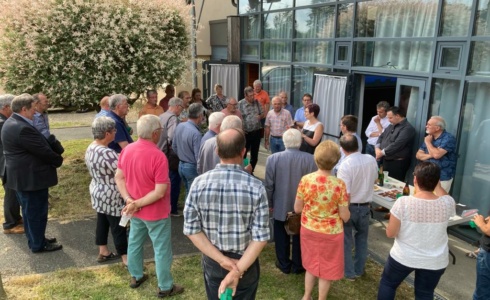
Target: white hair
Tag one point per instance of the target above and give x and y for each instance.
(231, 121)
(215, 119)
(146, 125)
(292, 138)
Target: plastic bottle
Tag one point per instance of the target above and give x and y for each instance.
(227, 294)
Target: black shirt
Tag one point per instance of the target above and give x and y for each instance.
(397, 141)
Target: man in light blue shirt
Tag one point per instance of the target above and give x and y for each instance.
(299, 117)
(186, 143)
(40, 120)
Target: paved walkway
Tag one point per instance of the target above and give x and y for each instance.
(79, 249)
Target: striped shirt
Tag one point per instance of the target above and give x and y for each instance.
(229, 206)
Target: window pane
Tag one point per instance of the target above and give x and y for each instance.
(395, 18)
(472, 180)
(455, 17)
(277, 4)
(302, 84)
(250, 6)
(483, 18)
(276, 78)
(315, 23)
(400, 55)
(280, 51)
(278, 25)
(345, 17)
(450, 57)
(444, 102)
(480, 59)
(250, 27)
(250, 49)
(311, 2)
(314, 52)
(343, 53)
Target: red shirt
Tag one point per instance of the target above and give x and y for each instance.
(164, 102)
(144, 165)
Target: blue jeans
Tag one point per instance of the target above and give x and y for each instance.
(175, 181)
(394, 273)
(356, 235)
(214, 274)
(188, 172)
(276, 145)
(35, 213)
(160, 235)
(482, 290)
(282, 242)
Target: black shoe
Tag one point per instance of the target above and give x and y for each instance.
(50, 240)
(300, 271)
(279, 267)
(50, 247)
(133, 283)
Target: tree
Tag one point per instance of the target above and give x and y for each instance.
(77, 51)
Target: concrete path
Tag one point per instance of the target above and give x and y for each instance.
(80, 251)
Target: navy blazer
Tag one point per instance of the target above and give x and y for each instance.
(30, 162)
(2, 158)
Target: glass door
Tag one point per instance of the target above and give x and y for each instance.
(410, 96)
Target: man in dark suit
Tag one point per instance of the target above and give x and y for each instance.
(31, 168)
(11, 207)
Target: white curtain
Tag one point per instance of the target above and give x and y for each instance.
(329, 94)
(228, 76)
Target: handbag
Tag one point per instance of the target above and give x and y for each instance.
(292, 223)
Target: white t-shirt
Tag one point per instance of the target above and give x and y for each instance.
(422, 241)
(359, 171)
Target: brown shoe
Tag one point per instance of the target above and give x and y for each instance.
(381, 209)
(19, 229)
(387, 216)
(175, 290)
(136, 283)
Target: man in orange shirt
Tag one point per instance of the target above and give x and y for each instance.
(263, 98)
(151, 107)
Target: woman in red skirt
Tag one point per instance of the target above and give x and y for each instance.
(323, 203)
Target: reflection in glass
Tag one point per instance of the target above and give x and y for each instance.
(278, 4)
(279, 51)
(315, 23)
(250, 27)
(444, 102)
(450, 57)
(278, 25)
(250, 49)
(249, 6)
(400, 55)
(314, 52)
(472, 181)
(479, 59)
(455, 17)
(343, 53)
(409, 100)
(311, 2)
(394, 18)
(345, 17)
(483, 18)
(276, 78)
(303, 83)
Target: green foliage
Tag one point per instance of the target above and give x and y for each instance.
(78, 51)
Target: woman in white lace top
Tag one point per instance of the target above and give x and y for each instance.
(419, 225)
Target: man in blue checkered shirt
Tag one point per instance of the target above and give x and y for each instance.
(227, 218)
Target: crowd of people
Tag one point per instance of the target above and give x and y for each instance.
(227, 209)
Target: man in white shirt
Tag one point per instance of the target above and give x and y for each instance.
(359, 172)
(375, 128)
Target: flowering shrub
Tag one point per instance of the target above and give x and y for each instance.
(77, 51)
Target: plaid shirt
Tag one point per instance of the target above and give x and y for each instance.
(229, 206)
(278, 123)
(250, 112)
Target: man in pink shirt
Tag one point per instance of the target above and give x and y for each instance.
(143, 181)
(232, 108)
(278, 120)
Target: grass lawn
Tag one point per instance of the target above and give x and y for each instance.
(71, 200)
(112, 282)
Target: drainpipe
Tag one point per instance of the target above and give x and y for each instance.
(193, 45)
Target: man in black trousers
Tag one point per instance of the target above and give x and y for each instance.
(31, 168)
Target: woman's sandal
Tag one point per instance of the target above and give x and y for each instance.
(103, 258)
(472, 254)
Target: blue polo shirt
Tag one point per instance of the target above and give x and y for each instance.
(299, 116)
(122, 133)
(447, 163)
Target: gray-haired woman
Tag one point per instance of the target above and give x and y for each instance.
(101, 162)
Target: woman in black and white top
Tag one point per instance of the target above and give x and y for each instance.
(101, 162)
(312, 129)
